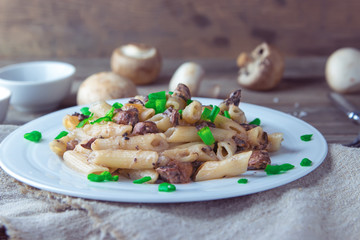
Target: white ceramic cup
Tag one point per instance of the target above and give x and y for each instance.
(37, 86)
(5, 95)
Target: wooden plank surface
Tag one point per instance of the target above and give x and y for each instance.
(304, 96)
(180, 29)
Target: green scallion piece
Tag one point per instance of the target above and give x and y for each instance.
(306, 137)
(278, 169)
(107, 175)
(34, 136)
(85, 111)
(243, 181)
(160, 105)
(189, 101)
(95, 178)
(171, 93)
(142, 180)
(256, 121)
(157, 95)
(61, 134)
(99, 120)
(227, 114)
(205, 114)
(180, 111)
(206, 135)
(117, 105)
(85, 121)
(166, 187)
(306, 162)
(104, 176)
(214, 112)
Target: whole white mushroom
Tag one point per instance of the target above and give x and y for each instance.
(105, 86)
(342, 70)
(190, 74)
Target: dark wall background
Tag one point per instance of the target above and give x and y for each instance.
(180, 29)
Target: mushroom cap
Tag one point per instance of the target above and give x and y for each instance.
(105, 86)
(262, 70)
(342, 70)
(138, 62)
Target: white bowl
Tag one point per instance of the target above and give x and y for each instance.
(37, 86)
(5, 95)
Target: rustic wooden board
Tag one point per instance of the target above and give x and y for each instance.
(180, 29)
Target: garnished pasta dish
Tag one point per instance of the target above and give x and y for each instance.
(165, 137)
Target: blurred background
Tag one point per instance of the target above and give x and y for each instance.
(180, 29)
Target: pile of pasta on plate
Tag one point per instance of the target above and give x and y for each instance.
(165, 137)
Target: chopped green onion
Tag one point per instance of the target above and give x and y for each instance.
(306, 137)
(256, 121)
(34, 136)
(206, 135)
(306, 162)
(95, 178)
(189, 101)
(157, 101)
(85, 111)
(180, 111)
(243, 181)
(104, 176)
(227, 114)
(61, 134)
(166, 187)
(160, 105)
(205, 114)
(117, 105)
(105, 119)
(157, 95)
(171, 93)
(86, 120)
(142, 180)
(214, 112)
(278, 169)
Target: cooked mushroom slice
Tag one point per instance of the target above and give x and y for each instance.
(174, 116)
(234, 98)
(176, 172)
(142, 128)
(182, 91)
(128, 117)
(258, 160)
(262, 69)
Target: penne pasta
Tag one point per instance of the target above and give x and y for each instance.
(131, 159)
(230, 167)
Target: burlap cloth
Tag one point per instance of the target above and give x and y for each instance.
(322, 205)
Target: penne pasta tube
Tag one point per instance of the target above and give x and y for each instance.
(189, 134)
(225, 149)
(134, 174)
(162, 121)
(130, 159)
(230, 167)
(226, 123)
(181, 154)
(78, 162)
(275, 140)
(151, 141)
(100, 108)
(70, 122)
(204, 152)
(192, 112)
(106, 130)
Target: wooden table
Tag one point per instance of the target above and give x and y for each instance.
(302, 93)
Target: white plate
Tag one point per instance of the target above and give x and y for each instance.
(34, 163)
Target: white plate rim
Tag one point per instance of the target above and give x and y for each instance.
(147, 193)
